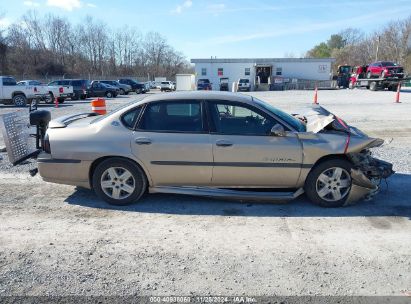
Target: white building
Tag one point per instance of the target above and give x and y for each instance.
(262, 71)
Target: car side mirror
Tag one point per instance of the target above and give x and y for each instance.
(278, 130)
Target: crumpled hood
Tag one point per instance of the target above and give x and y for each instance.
(347, 139)
(317, 118)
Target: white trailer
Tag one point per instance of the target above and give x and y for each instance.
(185, 82)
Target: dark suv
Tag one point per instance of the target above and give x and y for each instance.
(136, 86)
(79, 87)
(204, 84)
(124, 89)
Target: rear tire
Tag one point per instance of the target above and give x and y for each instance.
(109, 94)
(325, 187)
(116, 190)
(20, 100)
(373, 86)
(122, 92)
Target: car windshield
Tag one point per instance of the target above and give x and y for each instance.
(244, 81)
(289, 119)
(203, 81)
(388, 63)
(345, 69)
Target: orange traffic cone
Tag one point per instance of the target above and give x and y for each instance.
(316, 95)
(99, 106)
(397, 96)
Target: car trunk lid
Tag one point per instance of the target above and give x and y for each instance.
(77, 119)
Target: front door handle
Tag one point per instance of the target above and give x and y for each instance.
(223, 143)
(143, 141)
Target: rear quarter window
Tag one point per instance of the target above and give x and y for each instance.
(129, 119)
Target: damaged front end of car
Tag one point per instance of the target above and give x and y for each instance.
(366, 175)
(367, 172)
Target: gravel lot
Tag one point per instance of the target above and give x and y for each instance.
(60, 240)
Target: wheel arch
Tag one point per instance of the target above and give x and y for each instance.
(18, 93)
(330, 157)
(99, 160)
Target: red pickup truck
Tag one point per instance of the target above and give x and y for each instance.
(385, 69)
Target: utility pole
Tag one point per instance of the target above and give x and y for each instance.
(378, 48)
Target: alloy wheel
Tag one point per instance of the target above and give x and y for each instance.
(333, 184)
(117, 183)
(20, 101)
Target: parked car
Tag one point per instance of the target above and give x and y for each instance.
(98, 89)
(48, 93)
(167, 86)
(19, 95)
(146, 87)
(214, 144)
(224, 84)
(123, 89)
(385, 69)
(204, 84)
(244, 85)
(79, 87)
(153, 85)
(137, 87)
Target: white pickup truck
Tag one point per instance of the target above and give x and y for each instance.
(19, 95)
(50, 92)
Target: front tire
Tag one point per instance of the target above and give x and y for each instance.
(122, 92)
(119, 181)
(329, 183)
(109, 94)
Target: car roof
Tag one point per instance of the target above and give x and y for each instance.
(217, 95)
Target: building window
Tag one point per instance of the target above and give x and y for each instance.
(203, 72)
(247, 72)
(220, 72)
(279, 71)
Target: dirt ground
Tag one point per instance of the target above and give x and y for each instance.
(61, 240)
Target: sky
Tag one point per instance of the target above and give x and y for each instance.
(226, 28)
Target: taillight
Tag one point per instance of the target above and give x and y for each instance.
(46, 144)
(61, 90)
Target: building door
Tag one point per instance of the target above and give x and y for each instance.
(263, 73)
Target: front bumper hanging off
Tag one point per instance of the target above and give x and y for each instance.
(366, 179)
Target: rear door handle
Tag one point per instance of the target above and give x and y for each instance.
(143, 141)
(223, 143)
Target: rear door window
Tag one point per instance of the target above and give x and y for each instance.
(8, 81)
(173, 116)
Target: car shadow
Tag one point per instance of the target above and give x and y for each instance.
(393, 200)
